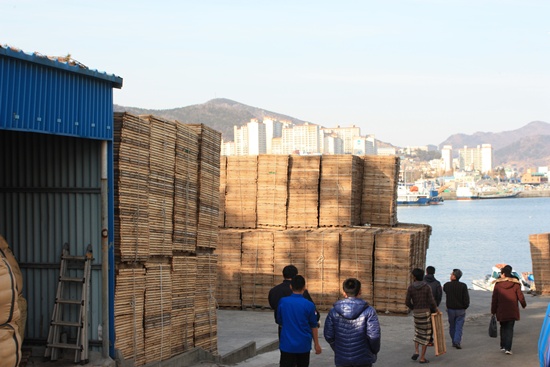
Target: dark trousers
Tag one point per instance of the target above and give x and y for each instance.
(359, 365)
(506, 334)
(294, 359)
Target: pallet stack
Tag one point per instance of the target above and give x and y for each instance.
(223, 184)
(131, 157)
(289, 247)
(356, 257)
(186, 189)
(303, 191)
(421, 240)
(209, 186)
(322, 267)
(241, 191)
(272, 190)
(540, 257)
(393, 258)
(229, 268)
(341, 222)
(379, 198)
(184, 275)
(256, 268)
(129, 308)
(167, 200)
(340, 191)
(157, 317)
(162, 158)
(206, 325)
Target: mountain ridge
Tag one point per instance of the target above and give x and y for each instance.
(524, 147)
(221, 114)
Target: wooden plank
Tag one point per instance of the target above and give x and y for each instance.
(438, 333)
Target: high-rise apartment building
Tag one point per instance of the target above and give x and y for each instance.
(479, 158)
(302, 139)
(256, 137)
(228, 148)
(347, 134)
(364, 145)
(331, 144)
(447, 157)
(486, 158)
(283, 137)
(250, 139)
(277, 146)
(273, 129)
(240, 135)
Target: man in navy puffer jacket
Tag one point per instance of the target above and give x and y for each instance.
(352, 329)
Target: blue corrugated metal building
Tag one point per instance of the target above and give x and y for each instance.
(56, 180)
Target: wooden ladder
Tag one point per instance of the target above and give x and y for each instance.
(71, 313)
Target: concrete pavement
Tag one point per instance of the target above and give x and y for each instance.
(240, 329)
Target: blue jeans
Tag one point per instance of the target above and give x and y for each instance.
(506, 334)
(456, 323)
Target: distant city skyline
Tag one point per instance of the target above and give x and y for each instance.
(411, 72)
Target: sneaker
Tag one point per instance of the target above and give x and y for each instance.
(502, 349)
(508, 352)
(457, 346)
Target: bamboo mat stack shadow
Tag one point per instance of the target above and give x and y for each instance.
(256, 268)
(540, 257)
(167, 193)
(333, 217)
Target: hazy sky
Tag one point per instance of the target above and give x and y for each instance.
(412, 72)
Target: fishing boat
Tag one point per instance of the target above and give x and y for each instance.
(497, 195)
(465, 193)
(417, 195)
(488, 282)
(487, 189)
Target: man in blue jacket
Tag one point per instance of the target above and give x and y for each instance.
(352, 329)
(299, 326)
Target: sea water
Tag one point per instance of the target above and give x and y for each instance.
(477, 234)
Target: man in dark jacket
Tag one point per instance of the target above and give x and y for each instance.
(283, 290)
(506, 295)
(457, 301)
(421, 301)
(434, 284)
(352, 329)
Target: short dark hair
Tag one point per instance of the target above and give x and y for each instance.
(298, 283)
(352, 287)
(506, 270)
(430, 270)
(290, 271)
(418, 274)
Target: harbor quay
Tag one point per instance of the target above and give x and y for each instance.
(255, 333)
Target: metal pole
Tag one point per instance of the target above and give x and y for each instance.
(104, 252)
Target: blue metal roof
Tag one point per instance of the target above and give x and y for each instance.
(63, 63)
(55, 95)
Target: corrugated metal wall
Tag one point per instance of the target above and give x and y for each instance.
(50, 195)
(40, 95)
